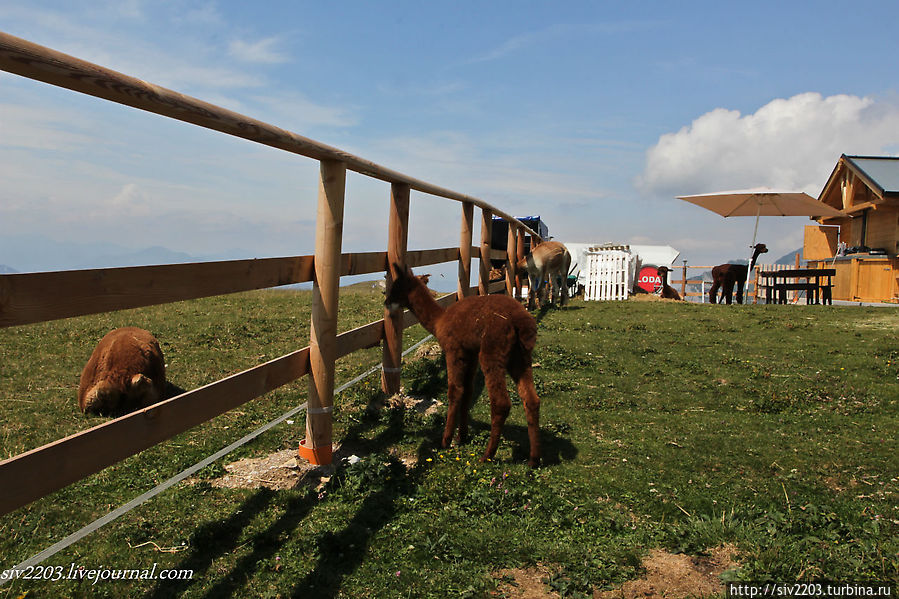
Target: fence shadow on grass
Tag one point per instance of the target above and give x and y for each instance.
(343, 551)
(212, 540)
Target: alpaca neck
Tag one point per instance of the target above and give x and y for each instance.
(752, 260)
(425, 307)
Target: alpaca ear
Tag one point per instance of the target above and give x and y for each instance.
(396, 271)
(401, 270)
(424, 278)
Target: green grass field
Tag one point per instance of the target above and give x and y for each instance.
(677, 426)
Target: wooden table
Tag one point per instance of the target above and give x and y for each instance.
(776, 284)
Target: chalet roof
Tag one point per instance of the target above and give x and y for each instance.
(874, 181)
(881, 172)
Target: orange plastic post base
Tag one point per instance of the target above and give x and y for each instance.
(320, 456)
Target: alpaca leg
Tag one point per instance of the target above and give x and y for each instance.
(467, 399)
(531, 401)
(500, 405)
(728, 292)
(564, 288)
(739, 292)
(455, 376)
(546, 289)
(713, 292)
(532, 290)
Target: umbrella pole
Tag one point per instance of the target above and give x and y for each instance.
(755, 232)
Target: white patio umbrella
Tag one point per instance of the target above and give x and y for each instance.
(761, 202)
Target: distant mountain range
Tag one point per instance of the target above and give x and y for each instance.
(35, 254)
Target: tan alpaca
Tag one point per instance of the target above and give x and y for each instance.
(548, 263)
(493, 330)
(125, 372)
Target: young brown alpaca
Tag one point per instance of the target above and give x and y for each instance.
(724, 276)
(668, 292)
(125, 372)
(493, 330)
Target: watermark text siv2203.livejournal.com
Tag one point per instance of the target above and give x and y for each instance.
(77, 572)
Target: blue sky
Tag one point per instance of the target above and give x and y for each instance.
(594, 115)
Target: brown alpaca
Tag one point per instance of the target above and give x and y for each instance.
(547, 264)
(493, 330)
(724, 276)
(668, 292)
(125, 372)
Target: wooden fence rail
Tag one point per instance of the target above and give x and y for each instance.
(38, 297)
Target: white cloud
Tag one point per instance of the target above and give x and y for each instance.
(263, 51)
(790, 143)
(294, 111)
(555, 32)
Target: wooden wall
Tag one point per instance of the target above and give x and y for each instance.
(882, 227)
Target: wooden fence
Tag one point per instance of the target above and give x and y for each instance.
(702, 296)
(37, 297)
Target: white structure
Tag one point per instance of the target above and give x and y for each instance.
(610, 272)
(655, 255)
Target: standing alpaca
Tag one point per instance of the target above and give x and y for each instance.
(667, 292)
(548, 263)
(725, 275)
(494, 330)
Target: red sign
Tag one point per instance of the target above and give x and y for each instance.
(648, 279)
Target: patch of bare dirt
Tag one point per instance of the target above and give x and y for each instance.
(427, 350)
(668, 576)
(523, 583)
(286, 470)
(677, 576)
(423, 405)
(277, 471)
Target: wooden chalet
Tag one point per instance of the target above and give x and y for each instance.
(866, 190)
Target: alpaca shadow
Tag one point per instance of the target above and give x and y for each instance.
(173, 390)
(546, 308)
(340, 553)
(554, 448)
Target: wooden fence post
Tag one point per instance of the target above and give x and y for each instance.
(511, 252)
(323, 329)
(398, 233)
(518, 256)
(683, 284)
(465, 250)
(486, 232)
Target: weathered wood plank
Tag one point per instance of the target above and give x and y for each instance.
(27, 298)
(465, 250)
(325, 302)
(397, 241)
(36, 297)
(426, 257)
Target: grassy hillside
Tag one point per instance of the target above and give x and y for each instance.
(771, 429)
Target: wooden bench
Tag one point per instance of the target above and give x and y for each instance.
(776, 291)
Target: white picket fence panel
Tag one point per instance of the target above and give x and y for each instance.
(609, 274)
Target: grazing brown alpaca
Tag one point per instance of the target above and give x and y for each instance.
(125, 372)
(725, 275)
(493, 330)
(668, 292)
